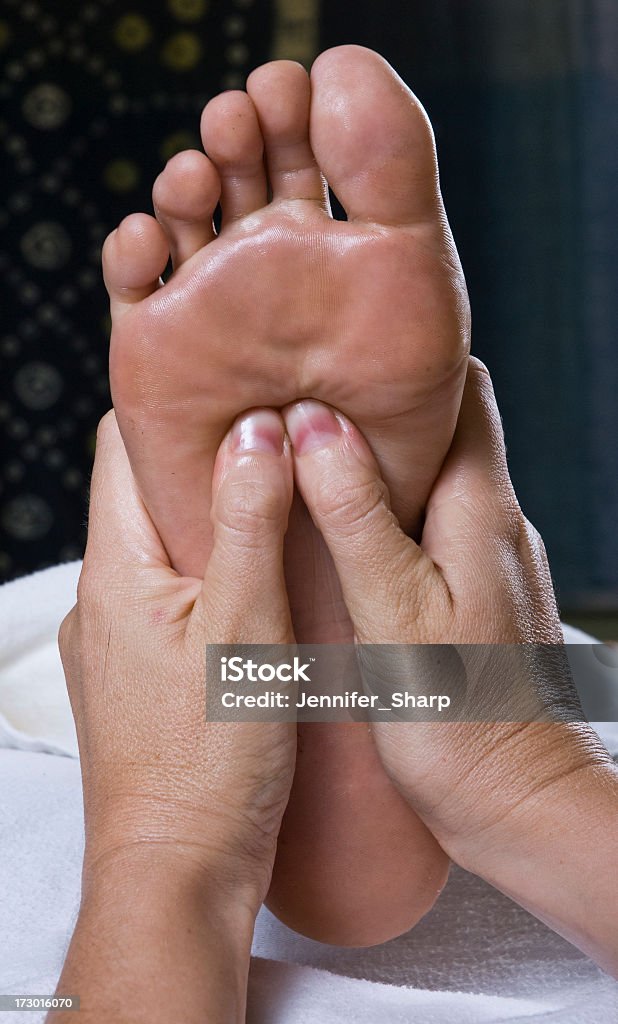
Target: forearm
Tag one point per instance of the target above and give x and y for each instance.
(154, 941)
(556, 855)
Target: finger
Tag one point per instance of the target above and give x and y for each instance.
(473, 505)
(243, 598)
(479, 437)
(476, 531)
(383, 573)
(120, 531)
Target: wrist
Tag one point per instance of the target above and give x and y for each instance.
(168, 873)
(223, 855)
(513, 774)
(554, 853)
(157, 940)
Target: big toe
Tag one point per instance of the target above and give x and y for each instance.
(373, 139)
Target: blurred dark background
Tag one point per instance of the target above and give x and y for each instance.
(523, 95)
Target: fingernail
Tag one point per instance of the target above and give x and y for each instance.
(259, 431)
(311, 425)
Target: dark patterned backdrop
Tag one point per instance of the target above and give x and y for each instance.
(95, 98)
(523, 95)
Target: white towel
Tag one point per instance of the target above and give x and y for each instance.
(35, 713)
(475, 958)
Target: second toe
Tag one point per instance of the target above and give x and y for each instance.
(281, 92)
(233, 140)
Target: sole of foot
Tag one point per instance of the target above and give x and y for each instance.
(369, 315)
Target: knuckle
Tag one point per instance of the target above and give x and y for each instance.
(250, 512)
(410, 594)
(533, 556)
(533, 540)
(65, 632)
(351, 505)
(509, 522)
(84, 585)
(91, 590)
(403, 605)
(524, 539)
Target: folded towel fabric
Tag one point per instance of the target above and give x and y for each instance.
(35, 713)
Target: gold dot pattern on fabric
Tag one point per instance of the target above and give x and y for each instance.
(46, 106)
(188, 10)
(5, 34)
(38, 385)
(46, 245)
(95, 98)
(182, 51)
(27, 517)
(121, 175)
(132, 32)
(234, 26)
(178, 141)
(237, 53)
(296, 30)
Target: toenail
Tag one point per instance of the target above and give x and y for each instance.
(311, 425)
(260, 431)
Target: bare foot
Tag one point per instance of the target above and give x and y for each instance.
(370, 315)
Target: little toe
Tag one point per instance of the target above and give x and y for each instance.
(233, 141)
(281, 92)
(185, 196)
(373, 139)
(134, 257)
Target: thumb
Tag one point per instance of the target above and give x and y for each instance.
(382, 572)
(243, 596)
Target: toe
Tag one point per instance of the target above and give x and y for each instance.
(185, 196)
(233, 140)
(281, 92)
(134, 257)
(372, 139)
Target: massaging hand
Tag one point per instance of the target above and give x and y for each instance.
(496, 795)
(155, 773)
(479, 575)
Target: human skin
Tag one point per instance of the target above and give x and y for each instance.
(172, 885)
(281, 305)
(498, 796)
(181, 815)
